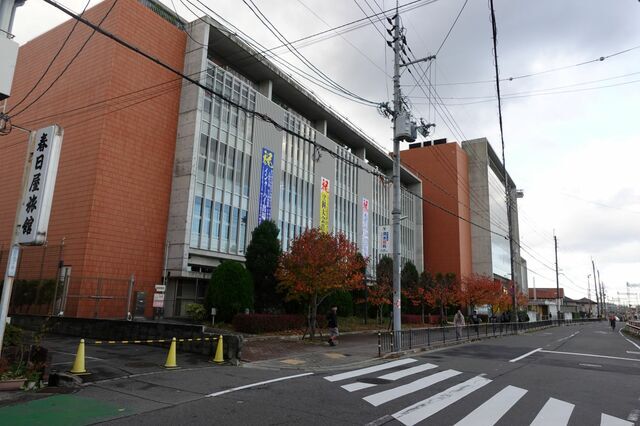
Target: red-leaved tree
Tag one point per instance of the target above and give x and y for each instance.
(477, 289)
(443, 292)
(317, 265)
(419, 295)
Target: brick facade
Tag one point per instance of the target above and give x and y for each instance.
(112, 193)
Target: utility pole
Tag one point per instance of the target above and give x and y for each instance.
(395, 213)
(404, 129)
(589, 292)
(602, 296)
(595, 287)
(555, 243)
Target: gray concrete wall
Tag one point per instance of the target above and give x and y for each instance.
(479, 202)
(184, 173)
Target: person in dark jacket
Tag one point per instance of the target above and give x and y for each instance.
(332, 323)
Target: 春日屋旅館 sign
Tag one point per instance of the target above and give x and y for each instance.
(37, 195)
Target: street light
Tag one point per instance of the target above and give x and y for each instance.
(589, 293)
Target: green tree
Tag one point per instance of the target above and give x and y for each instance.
(262, 256)
(409, 276)
(230, 290)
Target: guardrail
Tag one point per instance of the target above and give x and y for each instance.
(392, 341)
(633, 327)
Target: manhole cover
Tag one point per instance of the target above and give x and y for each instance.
(140, 364)
(375, 381)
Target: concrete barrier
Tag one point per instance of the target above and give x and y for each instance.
(108, 329)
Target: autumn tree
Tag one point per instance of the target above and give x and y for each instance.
(317, 265)
(263, 253)
(443, 292)
(381, 294)
(477, 289)
(419, 294)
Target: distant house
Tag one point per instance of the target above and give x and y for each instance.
(544, 302)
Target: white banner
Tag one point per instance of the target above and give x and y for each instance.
(33, 221)
(365, 228)
(384, 239)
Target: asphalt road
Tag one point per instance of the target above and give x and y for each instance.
(577, 375)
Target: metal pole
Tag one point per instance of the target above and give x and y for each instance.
(130, 293)
(555, 243)
(395, 213)
(14, 248)
(595, 286)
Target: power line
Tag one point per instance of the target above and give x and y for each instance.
(547, 71)
(68, 64)
(274, 30)
(44, 73)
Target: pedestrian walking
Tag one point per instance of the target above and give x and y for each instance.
(475, 319)
(332, 323)
(458, 321)
(612, 322)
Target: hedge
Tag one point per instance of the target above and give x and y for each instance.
(264, 323)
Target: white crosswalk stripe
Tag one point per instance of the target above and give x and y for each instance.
(352, 387)
(367, 370)
(554, 412)
(607, 420)
(394, 393)
(491, 411)
(428, 407)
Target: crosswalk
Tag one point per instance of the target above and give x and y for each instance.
(554, 412)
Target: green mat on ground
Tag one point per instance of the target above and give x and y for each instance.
(64, 410)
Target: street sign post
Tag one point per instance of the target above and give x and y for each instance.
(32, 213)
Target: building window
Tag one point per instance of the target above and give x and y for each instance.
(223, 164)
(296, 188)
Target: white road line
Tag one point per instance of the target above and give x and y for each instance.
(363, 371)
(491, 411)
(568, 337)
(430, 406)
(525, 355)
(593, 355)
(391, 394)
(590, 365)
(630, 341)
(352, 387)
(252, 385)
(554, 412)
(633, 352)
(607, 420)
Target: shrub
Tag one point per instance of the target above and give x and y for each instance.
(12, 335)
(411, 319)
(230, 290)
(265, 323)
(196, 312)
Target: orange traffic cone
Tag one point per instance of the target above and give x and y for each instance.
(78, 365)
(171, 357)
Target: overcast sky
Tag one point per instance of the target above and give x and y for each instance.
(575, 153)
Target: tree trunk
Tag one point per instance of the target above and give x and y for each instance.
(313, 315)
(422, 312)
(443, 320)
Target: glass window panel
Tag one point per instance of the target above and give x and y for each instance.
(197, 210)
(216, 219)
(202, 162)
(234, 230)
(206, 220)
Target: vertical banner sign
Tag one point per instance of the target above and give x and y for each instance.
(266, 185)
(37, 196)
(365, 228)
(384, 239)
(324, 205)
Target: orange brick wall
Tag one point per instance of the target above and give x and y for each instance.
(445, 182)
(114, 180)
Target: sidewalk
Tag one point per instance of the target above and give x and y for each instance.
(353, 349)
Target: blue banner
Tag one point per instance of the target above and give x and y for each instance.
(266, 184)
